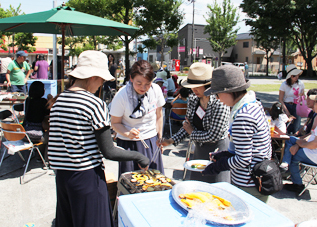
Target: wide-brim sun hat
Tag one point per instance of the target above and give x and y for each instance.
(199, 74)
(227, 79)
(313, 97)
(92, 63)
(292, 70)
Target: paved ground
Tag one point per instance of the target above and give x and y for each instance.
(35, 201)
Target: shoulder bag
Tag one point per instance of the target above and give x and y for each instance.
(267, 177)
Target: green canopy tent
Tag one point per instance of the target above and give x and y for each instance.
(65, 21)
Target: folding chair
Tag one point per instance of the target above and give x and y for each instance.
(3, 115)
(14, 134)
(19, 107)
(179, 109)
(307, 167)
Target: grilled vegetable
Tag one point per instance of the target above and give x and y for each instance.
(198, 166)
(189, 203)
(224, 201)
(198, 196)
(211, 203)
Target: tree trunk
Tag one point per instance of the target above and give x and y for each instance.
(284, 56)
(219, 59)
(309, 67)
(267, 63)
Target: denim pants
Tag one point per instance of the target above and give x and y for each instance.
(18, 88)
(293, 160)
(294, 127)
(287, 154)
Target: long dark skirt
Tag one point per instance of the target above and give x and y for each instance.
(82, 199)
(202, 152)
(148, 152)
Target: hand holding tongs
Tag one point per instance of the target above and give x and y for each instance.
(157, 151)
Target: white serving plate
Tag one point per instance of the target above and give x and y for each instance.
(188, 164)
(241, 213)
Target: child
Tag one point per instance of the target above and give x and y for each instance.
(279, 118)
(160, 82)
(181, 100)
(36, 115)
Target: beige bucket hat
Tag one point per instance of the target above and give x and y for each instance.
(199, 74)
(92, 63)
(292, 70)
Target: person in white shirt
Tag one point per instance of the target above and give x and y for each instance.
(4, 67)
(289, 92)
(136, 115)
(170, 84)
(279, 118)
(306, 154)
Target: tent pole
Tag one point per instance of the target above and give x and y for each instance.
(63, 50)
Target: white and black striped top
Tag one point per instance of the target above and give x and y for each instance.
(74, 117)
(252, 140)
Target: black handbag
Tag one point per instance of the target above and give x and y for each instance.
(267, 177)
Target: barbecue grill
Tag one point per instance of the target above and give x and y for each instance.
(125, 186)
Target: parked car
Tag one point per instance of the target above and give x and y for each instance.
(240, 65)
(226, 63)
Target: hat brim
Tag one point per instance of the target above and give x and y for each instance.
(211, 91)
(313, 97)
(189, 85)
(85, 72)
(293, 72)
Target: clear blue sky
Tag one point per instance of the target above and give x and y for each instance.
(32, 6)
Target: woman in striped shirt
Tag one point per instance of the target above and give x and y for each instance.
(250, 141)
(79, 137)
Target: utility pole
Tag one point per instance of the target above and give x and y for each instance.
(193, 24)
(54, 76)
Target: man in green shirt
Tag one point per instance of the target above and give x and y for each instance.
(18, 73)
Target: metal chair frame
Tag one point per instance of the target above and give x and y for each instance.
(188, 152)
(314, 175)
(15, 132)
(17, 121)
(173, 119)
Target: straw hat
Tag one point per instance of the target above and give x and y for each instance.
(226, 79)
(292, 70)
(199, 75)
(92, 63)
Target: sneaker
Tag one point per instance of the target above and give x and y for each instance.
(283, 167)
(294, 187)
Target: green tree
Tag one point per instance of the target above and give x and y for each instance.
(221, 23)
(24, 41)
(265, 38)
(167, 34)
(291, 20)
(79, 44)
(150, 16)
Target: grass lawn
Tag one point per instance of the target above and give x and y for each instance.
(276, 87)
